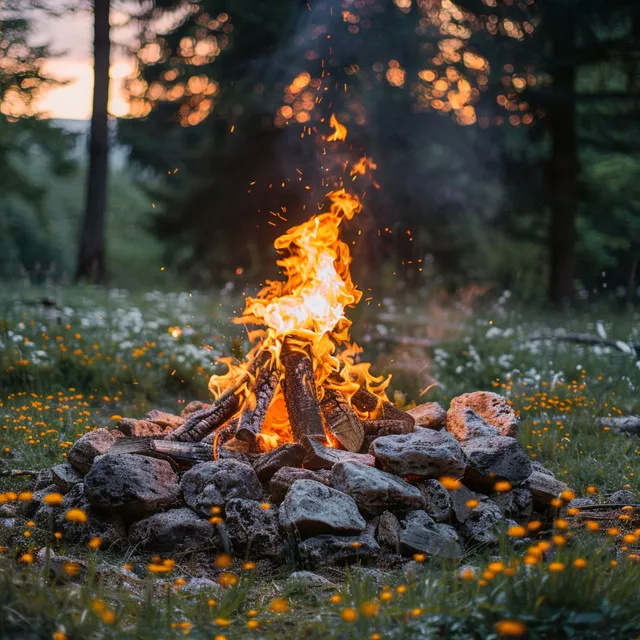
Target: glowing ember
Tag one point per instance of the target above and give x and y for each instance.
(310, 306)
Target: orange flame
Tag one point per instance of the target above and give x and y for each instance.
(339, 130)
(310, 303)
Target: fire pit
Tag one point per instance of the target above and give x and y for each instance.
(301, 449)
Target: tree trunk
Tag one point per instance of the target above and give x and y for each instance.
(564, 167)
(91, 258)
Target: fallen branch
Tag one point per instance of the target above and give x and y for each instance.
(14, 473)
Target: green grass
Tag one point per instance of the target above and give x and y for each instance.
(66, 371)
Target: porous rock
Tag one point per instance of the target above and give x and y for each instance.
(141, 428)
(65, 477)
(85, 450)
(483, 525)
(516, 504)
(424, 453)
(374, 490)
(310, 508)
(430, 415)
(210, 484)
(460, 499)
(388, 532)
(544, 488)
(420, 534)
(492, 408)
(29, 508)
(326, 549)
(495, 458)
(131, 485)
(537, 466)
(437, 499)
(578, 503)
(176, 528)
(286, 476)
(43, 479)
(464, 423)
(252, 528)
(190, 408)
(308, 583)
(164, 419)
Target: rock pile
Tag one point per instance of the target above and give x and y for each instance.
(458, 480)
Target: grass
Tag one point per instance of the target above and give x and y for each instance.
(67, 369)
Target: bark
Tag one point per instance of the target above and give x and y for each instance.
(91, 258)
(341, 421)
(288, 455)
(181, 453)
(264, 389)
(364, 400)
(564, 167)
(299, 388)
(321, 457)
(386, 427)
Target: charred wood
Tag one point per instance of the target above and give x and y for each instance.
(182, 453)
(341, 420)
(299, 386)
(321, 457)
(364, 400)
(288, 455)
(264, 389)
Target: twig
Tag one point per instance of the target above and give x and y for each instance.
(630, 348)
(14, 473)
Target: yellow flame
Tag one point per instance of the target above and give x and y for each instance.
(339, 130)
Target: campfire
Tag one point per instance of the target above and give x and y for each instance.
(300, 383)
(301, 448)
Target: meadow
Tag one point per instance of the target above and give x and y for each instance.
(75, 359)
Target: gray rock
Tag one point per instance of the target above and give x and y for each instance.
(253, 530)
(310, 508)
(28, 509)
(623, 496)
(64, 569)
(210, 484)
(43, 479)
(459, 500)
(327, 550)
(65, 477)
(437, 499)
(578, 503)
(388, 532)
(132, 486)
(516, 504)
(430, 415)
(196, 586)
(425, 453)
(493, 459)
(88, 448)
(484, 524)
(177, 528)
(307, 582)
(464, 423)
(373, 490)
(286, 476)
(8, 523)
(420, 534)
(536, 466)
(107, 526)
(544, 488)
(491, 407)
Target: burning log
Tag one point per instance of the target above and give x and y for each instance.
(288, 455)
(364, 400)
(299, 388)
(223, 433)
(180, 453)
(203, 422)
(341, 421)
(264, 389)
(379, 428)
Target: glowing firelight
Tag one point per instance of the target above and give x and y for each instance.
(309, 304)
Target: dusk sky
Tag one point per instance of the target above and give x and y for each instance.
(72, 35)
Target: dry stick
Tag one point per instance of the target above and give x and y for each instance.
(341, 420)
(617, 505)
(185, 453)
(205, 421)
(364, 400)
(588, 339)
(14, 473)
(299, 386)
(264, 389)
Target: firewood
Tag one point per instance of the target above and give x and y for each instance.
(231, 425)
(182, 453)
(341, 420)
(288, 455)
(264, 389)
(386, 427)
(364, 400)
(164, 419)
(205, 421)
(322, 457)
(299, 388)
